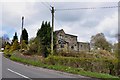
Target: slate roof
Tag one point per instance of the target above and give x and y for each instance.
(65, 33)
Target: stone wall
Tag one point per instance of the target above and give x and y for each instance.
(68, 43)
(83, 46)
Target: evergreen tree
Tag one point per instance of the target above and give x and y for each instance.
(43, 35)
(15, 37)
(44, 39)
(24, 36)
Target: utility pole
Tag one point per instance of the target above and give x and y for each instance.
(52, 11)
(22, 30)
(22, 21)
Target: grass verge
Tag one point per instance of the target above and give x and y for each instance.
(65, 68)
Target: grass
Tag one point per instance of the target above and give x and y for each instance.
(64, 68)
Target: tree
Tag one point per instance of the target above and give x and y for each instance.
(15, 46)
(4, 40)
(23, 45)
(7, 48)
(44, 37)
(117, 54)
(31, 40)
(33, 48)
(15, 37)
(99, 41)
(116, 49)
(103, 44)
(24, 36)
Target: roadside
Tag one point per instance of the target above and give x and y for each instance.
(0, 65)
(14, 69)
(93, 75)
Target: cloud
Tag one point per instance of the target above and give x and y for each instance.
(32, 29)
(59, 1)
(2, 33)
(109, 25)
(15, 11)
(83, 23)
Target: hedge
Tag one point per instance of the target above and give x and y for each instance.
(87, 64)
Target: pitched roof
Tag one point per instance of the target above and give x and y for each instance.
(65, 33)
(83, 42)
(71, 35)
(57, 31)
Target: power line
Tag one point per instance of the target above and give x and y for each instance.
(105, 7)
(46, 5)
(58, 22)
(53, 11)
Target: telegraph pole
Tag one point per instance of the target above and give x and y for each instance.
(22, 22)
(52, 11)
(22, 30)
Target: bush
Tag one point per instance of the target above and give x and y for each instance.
(87, 64)
(98, 54)
(26, 52)
(7, 50)
(33, 47)
(7, 47)
(71, 54)
(35, 62)
(23, 45)
(15, 46)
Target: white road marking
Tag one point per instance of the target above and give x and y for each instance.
(18, 74)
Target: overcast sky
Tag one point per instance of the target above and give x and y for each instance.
(83, 23)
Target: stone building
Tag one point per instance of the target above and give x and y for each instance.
(68, 43)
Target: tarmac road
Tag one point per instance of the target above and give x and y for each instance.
(16, 71)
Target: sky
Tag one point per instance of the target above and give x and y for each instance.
(83, 23)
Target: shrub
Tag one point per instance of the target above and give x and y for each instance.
(7, 50)
(23, 45)
(98, 54)
(32, 48)
(71, 54)
(15, 46)
(7, 47)
(26, 52)
(87, 64)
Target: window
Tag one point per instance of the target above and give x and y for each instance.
(62, 46)
(60, 36)
(81, 45)
(72, 47)
(59, 42)
(65, 36)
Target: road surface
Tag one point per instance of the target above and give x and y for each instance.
(15, 71)
(0, 65)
